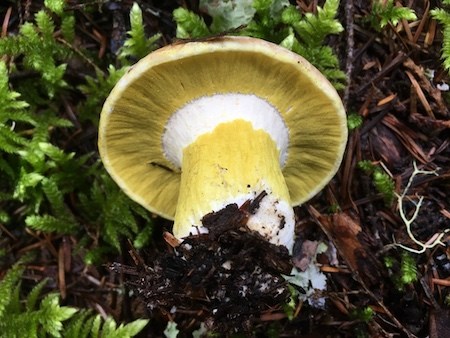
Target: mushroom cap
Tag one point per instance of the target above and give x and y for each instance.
(135, 114)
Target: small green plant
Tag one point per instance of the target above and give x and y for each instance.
(137, 45)
(443, 17)
(447, 300)
(274, 20)
(381, 180)
(408, 269)
(31, 317)
(365, 314)
(403, 271)
(386, 12)
(290, 307)
(354, 121)
(56, 6)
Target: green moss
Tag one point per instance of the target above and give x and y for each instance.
(381, 180)
(43, 185)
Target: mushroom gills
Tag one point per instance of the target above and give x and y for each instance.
(234, 163)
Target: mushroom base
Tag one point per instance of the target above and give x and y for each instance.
(231, 165)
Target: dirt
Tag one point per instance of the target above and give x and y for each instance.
(226, 279)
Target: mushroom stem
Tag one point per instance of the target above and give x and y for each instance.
(232, 164)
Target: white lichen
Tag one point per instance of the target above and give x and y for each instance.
(436, 239)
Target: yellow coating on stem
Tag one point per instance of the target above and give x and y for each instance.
(231, 164)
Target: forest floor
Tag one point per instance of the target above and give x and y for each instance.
(375, 288)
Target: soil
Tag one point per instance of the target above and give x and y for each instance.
(231, 280)
(225, 279)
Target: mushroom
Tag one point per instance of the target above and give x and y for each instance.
(196, 126)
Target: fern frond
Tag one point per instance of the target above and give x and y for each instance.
(49, 223)
(55, 198)
(111, 234)
(408, 269)
(137, 45)
(80, 325)
(33, 296)
(89, 204)
(40, 51)
(290, 16)
(118, 219)
(11, 108)
(266, 23)
(10, 142)
(26, 181)
(56, 6)
(51, 315)
(108, 328)
(54, 153)
(45, 123)
(7, 284)
(68, 28)
(322, 57)
(384, 12)
(314, 28)
(96, 325)
(123, 330)
(15, 304)
(189, 24)
(45, 25)
(13, 115)
(49, 318)
(10, 45)
(443, 17)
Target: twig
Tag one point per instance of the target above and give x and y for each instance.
(349, 50)
(81, 55)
